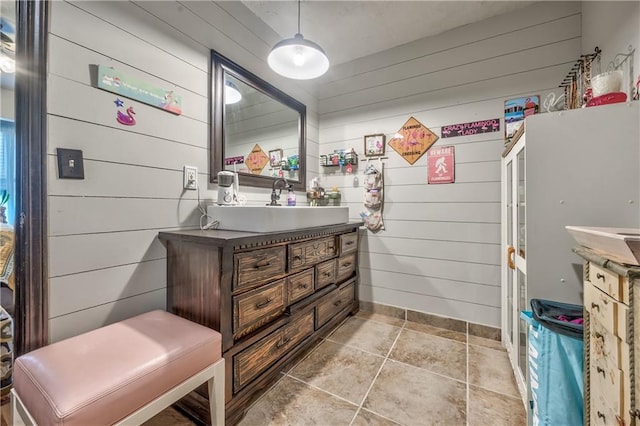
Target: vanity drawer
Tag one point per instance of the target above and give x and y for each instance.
(348, 242)
(309, 253)
(258, 266)
(346, 266)
(256, 307)
(300, 285)
(334, 302)
(258, 357)
(325, 274)
(610, 392)
(606, 281)
(608, 312)
(602, 412)
(604, 345)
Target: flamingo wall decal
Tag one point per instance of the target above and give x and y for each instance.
(126, 119)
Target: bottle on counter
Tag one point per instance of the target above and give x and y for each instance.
(291, 197)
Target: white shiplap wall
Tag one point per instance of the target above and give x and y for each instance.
(440, 251)
(105, 262)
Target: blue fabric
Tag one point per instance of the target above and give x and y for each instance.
(555, 376)
(8, 166)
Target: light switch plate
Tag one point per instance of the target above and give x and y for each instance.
(190, 177)
(70, 163)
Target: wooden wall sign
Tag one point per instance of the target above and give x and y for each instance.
(413, 140)
(441, 165)
(117, 82)
(256, 160)
(471, 128)
(230, 161)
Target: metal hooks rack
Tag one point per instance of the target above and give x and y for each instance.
(578, 79)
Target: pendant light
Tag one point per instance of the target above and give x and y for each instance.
(298, 58)
(232, 94)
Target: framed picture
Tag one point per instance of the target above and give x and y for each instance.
(374, 145)
(275, 155)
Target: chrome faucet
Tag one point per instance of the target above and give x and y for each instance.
(276, 196)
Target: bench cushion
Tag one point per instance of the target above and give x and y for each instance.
(104, 375)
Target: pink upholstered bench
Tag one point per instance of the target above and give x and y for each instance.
(123, 373)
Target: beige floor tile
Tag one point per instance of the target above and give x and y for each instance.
(436, 354)
(332, 365)
(491, 370)
(436, 331)
(370, 336)
(367, 418)
(380, 318)
(490, 408)
(487, 343)
(291, 402)
(412, 396)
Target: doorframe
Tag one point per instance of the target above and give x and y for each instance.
(32, 291)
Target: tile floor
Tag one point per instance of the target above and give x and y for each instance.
(380, 370)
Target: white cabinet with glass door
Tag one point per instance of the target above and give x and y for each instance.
(577, 167)
(514, 270)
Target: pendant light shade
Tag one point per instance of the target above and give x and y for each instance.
(298, 58)
(232, 94)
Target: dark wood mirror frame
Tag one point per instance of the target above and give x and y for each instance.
(221, 65)
(31, 298)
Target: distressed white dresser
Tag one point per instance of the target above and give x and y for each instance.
(612, 350)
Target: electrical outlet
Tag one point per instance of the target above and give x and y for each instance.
(190, 177)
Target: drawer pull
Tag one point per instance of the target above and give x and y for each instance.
(337, 303)
(327, 274)
(346, 265)
(595, 305)
(601, 415)
(263, 304)
(301, 286)
(297, 257)
(262, 264)
(282, 343)
(348, 243)
(601, 370)
(600, 276)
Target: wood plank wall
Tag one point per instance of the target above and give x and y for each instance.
(105, 261)
(440, 251)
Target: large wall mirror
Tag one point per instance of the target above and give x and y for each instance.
(257, 130)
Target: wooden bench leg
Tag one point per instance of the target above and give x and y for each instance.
(216, 395)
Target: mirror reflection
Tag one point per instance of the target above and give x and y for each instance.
(258, 130)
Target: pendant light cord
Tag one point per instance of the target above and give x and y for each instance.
(298, 16)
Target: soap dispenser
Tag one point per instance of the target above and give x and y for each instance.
(291, 197)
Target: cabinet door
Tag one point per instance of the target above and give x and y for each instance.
(514, 269)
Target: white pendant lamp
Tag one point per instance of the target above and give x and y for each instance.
(232, 94)
(298, 58)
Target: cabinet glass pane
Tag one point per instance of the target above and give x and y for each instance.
(509, 207)
(521, 205)
(522, 328)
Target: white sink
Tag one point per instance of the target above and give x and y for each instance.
(619, 244)
(275, 218)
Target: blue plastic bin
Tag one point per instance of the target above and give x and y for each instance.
(555, 356)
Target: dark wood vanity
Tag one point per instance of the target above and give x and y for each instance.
(270, 295)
